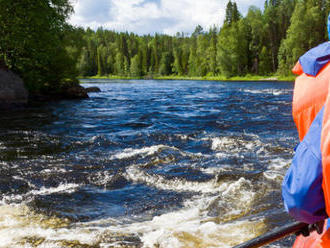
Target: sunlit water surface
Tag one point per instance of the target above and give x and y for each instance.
(147, 164)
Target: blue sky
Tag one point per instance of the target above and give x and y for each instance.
(151, 16)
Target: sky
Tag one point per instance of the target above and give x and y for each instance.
(154, 16)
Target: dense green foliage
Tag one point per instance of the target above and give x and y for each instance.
(261, 43)
(32, 41)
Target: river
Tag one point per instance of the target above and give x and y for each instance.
(147, 164)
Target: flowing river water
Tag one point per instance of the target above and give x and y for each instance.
(147, 164)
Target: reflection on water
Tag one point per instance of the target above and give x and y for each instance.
(147, 164)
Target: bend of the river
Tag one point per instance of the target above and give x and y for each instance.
(147, 164)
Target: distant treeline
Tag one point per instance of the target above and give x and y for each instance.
(261, 43)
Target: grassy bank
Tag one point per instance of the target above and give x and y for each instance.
(210, 78)
(222, 78)
(110, 77)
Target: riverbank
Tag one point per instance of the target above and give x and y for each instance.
(206, 78)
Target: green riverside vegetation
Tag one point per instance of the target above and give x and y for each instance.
(33, 44)
(37, 43)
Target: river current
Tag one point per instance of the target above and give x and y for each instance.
(147, 164)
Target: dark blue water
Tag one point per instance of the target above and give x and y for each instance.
(147, 163)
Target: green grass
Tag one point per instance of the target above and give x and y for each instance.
(236, 78)
(210, 78)
(110, 77)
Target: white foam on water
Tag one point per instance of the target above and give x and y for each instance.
(207, 234)
(135, 174)
(276, 169)
(221, 155)
(18, 225)
(188, 227)
(279, 164)
(218, 143)
(67, 188)
(228, 145)
(148, 151)
(64, 187)
(101, 178)
(235, 187)
(274, 92)
(183, 137)
(273, 175)
(249, 146)
(145, 151)
(191, 227)
(213, 170)
(53, 170)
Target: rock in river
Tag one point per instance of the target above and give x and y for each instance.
(92, 89)
(75, 92)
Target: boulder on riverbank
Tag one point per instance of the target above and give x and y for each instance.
(12, 90)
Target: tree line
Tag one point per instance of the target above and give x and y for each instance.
(263, 42)
(38, 44)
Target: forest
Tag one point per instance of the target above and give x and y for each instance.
(38, 44)
(264, 42)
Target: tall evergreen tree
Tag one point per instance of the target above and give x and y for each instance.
(232, 13)
(193, 61)
(255, 21)
(211, 52)
(136, 67)
(166, 64)
(198, 31)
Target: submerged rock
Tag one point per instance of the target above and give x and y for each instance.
(12, 90)
(92, 89)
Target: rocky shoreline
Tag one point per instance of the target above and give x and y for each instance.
(13, 93)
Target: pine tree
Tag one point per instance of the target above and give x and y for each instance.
(100, 64)
(211, 52)
(136, 67)
(229, 13)
(233, 49)
(232, 13)
(119, 64)
(82, 63)
(257, 35)
(177, 65)
(198, 31)
(193, 59)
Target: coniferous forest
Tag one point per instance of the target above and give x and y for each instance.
(37, 42)
(264, 42)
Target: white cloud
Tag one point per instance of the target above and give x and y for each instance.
(151, 16)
